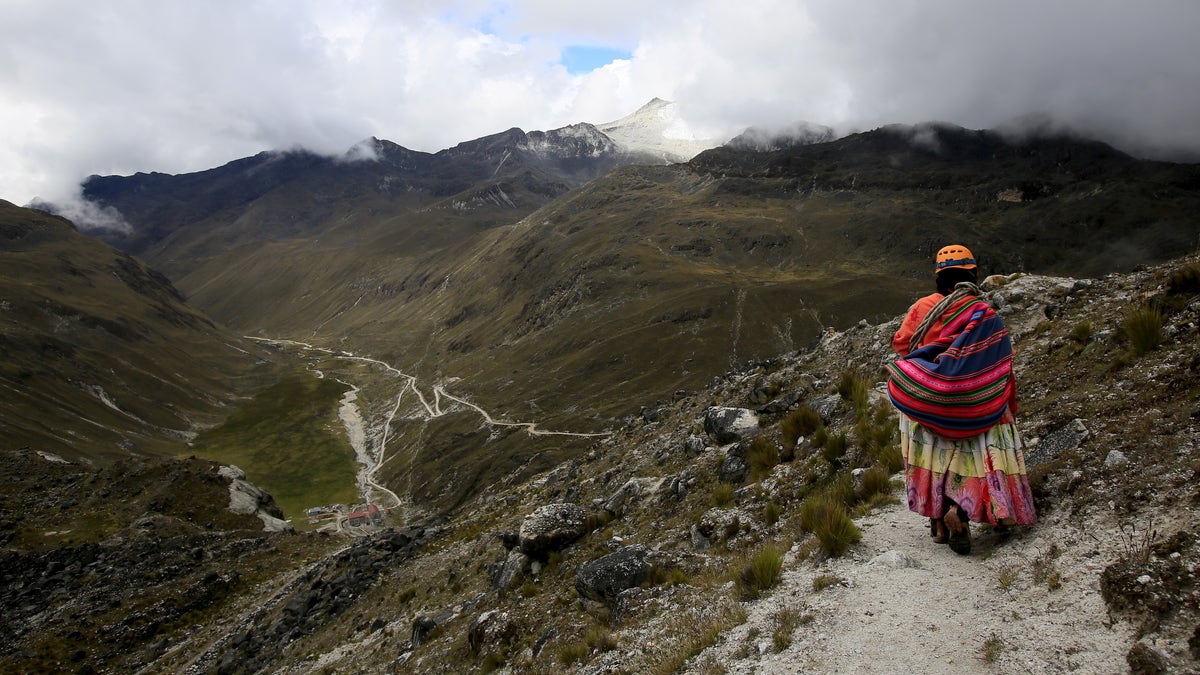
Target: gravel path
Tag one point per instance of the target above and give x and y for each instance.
(906, 604)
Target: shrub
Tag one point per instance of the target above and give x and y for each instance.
(875, 481)
(761, 456)
(599, 638)
(820, 438)
(1184, 279)
(1082, 333)
(825, 516)
(1143, 328)
(834, 448)
(990, 650)
(722, 496)
(825, 581)
(572, 652)
(853, 388)
(771, 513)
(802, 421)
(762, 571)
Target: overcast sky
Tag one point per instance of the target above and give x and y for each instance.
(121, 86)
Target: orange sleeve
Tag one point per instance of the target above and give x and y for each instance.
(908, 327)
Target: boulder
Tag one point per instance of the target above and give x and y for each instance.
(734, 467)
(489, 630)
(729, 425)
(423, 627)
(551, 528)
(249, 499)
(631, 492)
(604, 578)
(509, 572)
(694, 445)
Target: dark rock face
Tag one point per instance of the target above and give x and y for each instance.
(1068, 437)
(604, 578)
(488, 631)
(729, 425)
(550, 528)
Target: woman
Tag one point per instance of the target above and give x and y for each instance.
(954, 389)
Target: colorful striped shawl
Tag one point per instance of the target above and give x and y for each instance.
(959, 385)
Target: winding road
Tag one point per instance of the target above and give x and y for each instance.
(371, 461)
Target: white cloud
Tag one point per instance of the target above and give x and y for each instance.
(127, 85)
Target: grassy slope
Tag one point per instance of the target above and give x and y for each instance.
(102, 357)
(289, 441)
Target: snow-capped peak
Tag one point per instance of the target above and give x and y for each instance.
(657, 129)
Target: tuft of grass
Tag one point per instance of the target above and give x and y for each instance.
(1184, 279)
(1007, 576)
(990, 650)
(1045, 570)
(825, 516)
(692, 636)
(762, 571)
(820, 438)
(1081, 334)
(875, 481)
(761, 457)
(599, 638)
(825, 581)
(786, 619)
(572, 652)
(722, 495)
(771, 513)
(854, 389)
(834, 448)
(1143, 328)
(802, 421)
(597, 520)
(658, 575)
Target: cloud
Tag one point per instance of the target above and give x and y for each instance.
(126, 86)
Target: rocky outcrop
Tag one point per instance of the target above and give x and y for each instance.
(730, 425)
(604, 578)
(550, 528)
(249, 499)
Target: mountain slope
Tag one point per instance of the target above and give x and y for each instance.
(102, 358)
(1104, 581)
(577, 305)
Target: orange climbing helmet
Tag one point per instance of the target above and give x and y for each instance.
(954, 256)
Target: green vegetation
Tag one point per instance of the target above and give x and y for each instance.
(825, 581)
(761, 571)
(787, 619)
(771, 513)
(854, 389)
(802, 421)
(289, 441)
(1143, 327)
(761, 457)
(722, 495)
(1185, 279)
(991, 648)
(824, 514)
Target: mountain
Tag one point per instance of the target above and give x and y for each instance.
(103, 359)
(657, 130)
(492, 267)
(669, 546)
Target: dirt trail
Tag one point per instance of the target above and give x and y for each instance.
(906, 604)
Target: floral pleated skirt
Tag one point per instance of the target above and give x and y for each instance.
(984, 475)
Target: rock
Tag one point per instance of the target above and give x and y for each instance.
(826, 406)
(1067, 438)
(694, 445)
(1145, 660)
(733, 468)
(1115, 458)
(604, 578)
(423, 627)
(509, 572)
(894, 560)
(782, 404)
(699, 541)
(729, 425)
(489, 630)
(550, 528)
(632, 491)
(249, 499)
